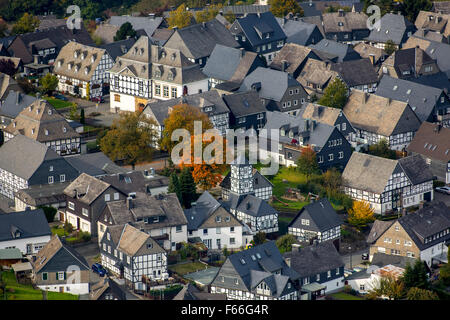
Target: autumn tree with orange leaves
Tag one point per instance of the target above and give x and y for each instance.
(206, 174)
(307, 162)
(360, 214)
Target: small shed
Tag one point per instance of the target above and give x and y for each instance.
(10, 256)
(23, 271)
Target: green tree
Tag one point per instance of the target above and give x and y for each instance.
(444, 271)
(28, 23)
(307, 162)
(390, 47)
(48, 83)
(332, 180)
(230, 16)
(281, 8)
(259, 238)
(388, 287)
(381, 149)
(82, 117)
(49, 212)
(132, 138)
(180, 18)
(207, 14)
(415, 276)
(174, 186)
(188, 189)
(421, 294)
(335, 95)
(284, 243)
(73, 112)
(337, 8)
(411, 8)
(125, 31)
(7, 67)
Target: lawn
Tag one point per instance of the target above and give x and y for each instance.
(185, 268)
(27, 292)
(344, 296)
(58, 103)
(292, 179)
(59, 231)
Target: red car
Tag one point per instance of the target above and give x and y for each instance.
(98, 99)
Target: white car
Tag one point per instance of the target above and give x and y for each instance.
(445, 190)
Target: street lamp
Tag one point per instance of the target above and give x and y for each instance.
(349, 249)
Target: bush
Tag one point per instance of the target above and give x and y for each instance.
(85, 236)
(49, 212)
(437, 183)
(68, 228)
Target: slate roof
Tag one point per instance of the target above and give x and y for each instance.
(46, 194)
(135, 181)
(30, 223)
(377, 230)
(7, 83)
(133, 242)
(259, 181)
(416, 169)
(323, 216)
(443, 6)
(316, 72)
(309, 9)
(436, 50)
(46, 254)
(350, 21)
(437, 80)
(243, 9)
(118, 48)
(104, 284)
(368, 172)
(343, 51)
(421, 98)
(252, 271)
(22, 156)
(380, 115)
(430, 35)
(320, 113)
(273, 83)
(199, 40)
(244, 103)
(14, 103)
(428, 221)
(59, 36)
(250, 205)
(253, 23)
(381, 259)
(94, 164)
(432, 142)
(225, 62)
(41, 122)
(392, 27)
(279, 120)
(356, 72)
(297, 31)
(293, 54)
(314, 259)
(439, 23)
(366, 50)
(106, 32)
(10, 254)
(160, 109)
(160, 36)
(87, 188)
(148, 24)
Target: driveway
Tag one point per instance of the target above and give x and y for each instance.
(89, 251)
(354, 258)
(442, 197)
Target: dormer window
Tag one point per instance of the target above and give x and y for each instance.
(218, 219)
(46, 132)
(77, 68)
(173, 56)
(32, 131)
(59, 63)
(141, 52)
(69, 66)
(49, 112)
(282, 132)
(93, 58)
(75, 54)
(340, 24)
(14, 124)
(86, 70)
(163, 54)
(170, 76)
(64, 129)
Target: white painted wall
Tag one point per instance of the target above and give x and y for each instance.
(126, 103)
(224, 236)
(21, 243)
(334, 285)
(437, 249)
(73, 288)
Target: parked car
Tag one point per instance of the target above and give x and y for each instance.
(98, 99)
(98, 268)
(60, 97)
(365, 256)
(445, 190)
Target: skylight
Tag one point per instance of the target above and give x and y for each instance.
(395, 88)
(408, 92)
(242, 261)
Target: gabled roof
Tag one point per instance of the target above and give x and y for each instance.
(443, 6)
(392, 27)
(225, 62)
(356, 72)
(118, 48)
(344, 21)
(135, 181)
(247, 261)
(293, 54)
(244, 103)
(321, 113)
(297, 31)
(22, 156)
(273, 83)
(50, 250)
(428, 221)
(431, 141)
(30, 223)
(94, 164)
(366, 50)
(259, 181)
(86, 188)
(7, 83)
(421, 98)
(367, 172)
(314, 259)
(148, 24)
(437, 22)
(382, 259)
(378, 229)
(47, 194)
(323, 216)
(199, 40)
(253, 25)
(380, 115)
(135, 242)
(41, 122)
(14, 103)
(416, 169)
(316, 72)
(343, 51)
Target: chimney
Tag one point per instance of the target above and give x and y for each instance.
(307, 124)
(129, 203)
(242, 52)
(248, 205)
(313, 125)
(341, 12)
(365, 97)
(288, 261)
(372, 58)
(146, 173)
(75, 191)
(147, 189)
(296, 247)
(17, 98)
(204, 25)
